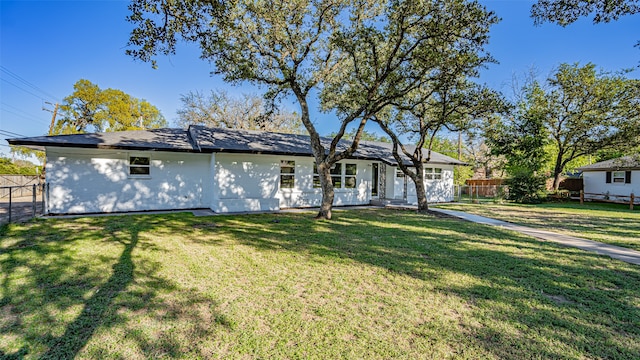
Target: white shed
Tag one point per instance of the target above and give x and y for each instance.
(614, 179)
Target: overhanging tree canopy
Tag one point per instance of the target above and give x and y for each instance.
(357, 56)
(91, 109)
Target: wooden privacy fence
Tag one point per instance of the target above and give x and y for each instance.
(18, 185)
(618, 199)
(484, 187)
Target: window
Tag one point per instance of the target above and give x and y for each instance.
(433, 173)
(139, 166)
(399, 173)
(350, 171)
(336, 175)
(618, 176)
(287, 174)
(340, 179)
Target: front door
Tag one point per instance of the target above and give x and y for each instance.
(374, 181)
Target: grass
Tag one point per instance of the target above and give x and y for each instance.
(368, 284)
(608, 223)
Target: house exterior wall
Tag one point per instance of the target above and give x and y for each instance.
(93, 180)
(245, 182)
(595, 182)
(98, 180)
(437, 190)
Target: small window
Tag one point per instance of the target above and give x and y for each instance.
(336, 175)
(139, 165)
(399, 173)
(618, 176)
(350, 171)
(287, 174)
(432, 173)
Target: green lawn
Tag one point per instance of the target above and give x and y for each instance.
(608, 223)
(369, 284)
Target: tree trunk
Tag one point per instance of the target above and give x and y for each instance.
(421, 192)
(319, 154)
(557, 171)
(556, 179)
(324, 173)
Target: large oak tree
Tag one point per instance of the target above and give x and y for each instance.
(247, 112)
(586, 111)
(91, 109)
(358, 57)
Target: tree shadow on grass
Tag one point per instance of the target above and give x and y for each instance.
(55, 298)
(562, 302)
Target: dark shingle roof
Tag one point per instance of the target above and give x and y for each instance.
(209, 140)
(156, 139)
(625, 162)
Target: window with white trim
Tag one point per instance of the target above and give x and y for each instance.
(287, 174)
(139, 166)
(350, 171)
(618, 176)
(432, 173)
(341, 176)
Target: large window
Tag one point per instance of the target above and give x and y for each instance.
(287, 174)
(139, 166)
(341, 176)
(433, 173)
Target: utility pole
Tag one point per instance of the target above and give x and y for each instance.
(53, 122)
(459, 144)
(53, 118)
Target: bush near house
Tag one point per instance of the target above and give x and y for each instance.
(18, 167)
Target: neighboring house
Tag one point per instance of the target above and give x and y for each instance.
(612, 178)
(221, 169)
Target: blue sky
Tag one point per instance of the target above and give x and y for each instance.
(46, 46)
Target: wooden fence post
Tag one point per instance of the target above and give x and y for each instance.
(581, 197)
(633, 198)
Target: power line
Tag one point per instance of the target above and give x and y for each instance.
(25, 90)
(24, 117)
(27, 83)
(23, 114)
(10, 133)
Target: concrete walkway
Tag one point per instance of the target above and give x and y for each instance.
(616, 252)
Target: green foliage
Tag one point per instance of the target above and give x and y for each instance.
(91, 109)
(249, 112)
(526, 187)
(358, 57)
(521, 139)
(586, 111)
(18, 167)
(449, 147)
(26, 152)
(565, 12)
